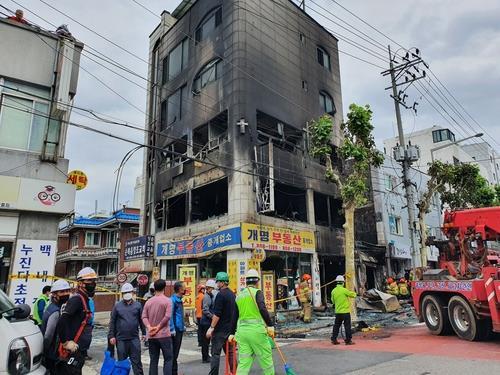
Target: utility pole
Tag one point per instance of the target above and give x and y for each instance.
(403, 75)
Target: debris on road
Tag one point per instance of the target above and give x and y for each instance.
(376, 300)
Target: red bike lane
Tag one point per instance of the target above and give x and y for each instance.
(412, 340)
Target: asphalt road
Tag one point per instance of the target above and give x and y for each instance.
(408, 351)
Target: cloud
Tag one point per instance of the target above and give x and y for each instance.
(457, 38)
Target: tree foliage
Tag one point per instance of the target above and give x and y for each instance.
(460, 185)
(357, 149)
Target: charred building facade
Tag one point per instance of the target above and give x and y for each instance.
(229, 183)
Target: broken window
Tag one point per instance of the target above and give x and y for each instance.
(171, 156)
(210, 135)
(337, 218)
(200, 138)
(209, 73)
(159, 215)
(209, 201)
(280, 134)
(321, 209)
(176, 211)
(328, 211)
(290, 202)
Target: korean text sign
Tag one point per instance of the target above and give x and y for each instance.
(139, 248)
(268, 290)
(224, 239)
(33, 268)
(254, 236)
(187, 274)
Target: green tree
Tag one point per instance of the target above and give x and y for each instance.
(358, 150)
(459, 186)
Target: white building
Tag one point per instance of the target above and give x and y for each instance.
(431, 138)
(487, 158)
(38, 80)
(391, 216)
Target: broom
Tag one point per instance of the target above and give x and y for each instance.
(288, 368)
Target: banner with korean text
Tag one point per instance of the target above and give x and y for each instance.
(32, 269)
(254, 236)
(224, 239)
(268, 286)
(187, 273)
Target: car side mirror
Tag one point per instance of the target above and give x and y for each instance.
(22, 311)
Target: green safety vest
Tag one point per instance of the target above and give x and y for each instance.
(37, 316)
(248, 311)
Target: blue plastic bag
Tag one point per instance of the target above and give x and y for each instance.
(112, 367)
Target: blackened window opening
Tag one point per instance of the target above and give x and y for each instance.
(209, 201)
(210, 136)
(290, 202)
(176, 211)
(328, 211)
(321, 209)
(282, 135)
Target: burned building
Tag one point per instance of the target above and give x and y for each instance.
(229, 181)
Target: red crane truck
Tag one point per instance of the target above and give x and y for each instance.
(463, 295)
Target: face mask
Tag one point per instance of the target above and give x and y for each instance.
(90, 289)
(63, 299)
(127, 296)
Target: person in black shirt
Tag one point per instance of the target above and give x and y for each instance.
(223, 322)
(74, 328)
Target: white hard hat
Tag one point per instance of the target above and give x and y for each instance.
(86, 273)
(340, 278)
(211, 284)
(127, 287)
(252, 274)
(60, 285)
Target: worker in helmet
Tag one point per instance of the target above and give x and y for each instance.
(340, 299)
(253, 328)
(124, 327)
(41, 304)
(74, 328)
(404, 292)
(60, 292)
(305, 298)
(199, 310)
(392, 287)
(223, 322)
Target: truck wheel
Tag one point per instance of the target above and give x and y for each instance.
(434, 315)
(464, 322)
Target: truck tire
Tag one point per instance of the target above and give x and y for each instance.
(464, 321)
(435, 317)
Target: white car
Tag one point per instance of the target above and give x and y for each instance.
(22, 341)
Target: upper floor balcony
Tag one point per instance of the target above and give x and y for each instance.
(88, 254)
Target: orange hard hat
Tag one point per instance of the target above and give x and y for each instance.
(390, 280)
(201, 286)
(306, 276)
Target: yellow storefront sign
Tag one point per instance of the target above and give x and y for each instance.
(187, 274)
(232, 271)
(254, 236)
(268, 290)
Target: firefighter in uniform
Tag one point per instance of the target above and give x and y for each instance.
(305, 298)
(253, 328)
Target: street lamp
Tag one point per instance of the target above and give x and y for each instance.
(478, 135)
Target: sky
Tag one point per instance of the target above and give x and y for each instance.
(459, 39)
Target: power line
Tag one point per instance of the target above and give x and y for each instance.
(162, 150)
(432, 73)
(94, 32)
